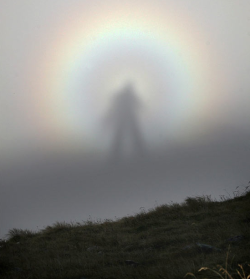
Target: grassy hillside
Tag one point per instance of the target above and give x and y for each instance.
(166, 242)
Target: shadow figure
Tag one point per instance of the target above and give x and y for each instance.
(123, 119)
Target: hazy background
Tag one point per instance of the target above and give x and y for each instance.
(63, 65)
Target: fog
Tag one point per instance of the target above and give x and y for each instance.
(108, 108)
(43, 190)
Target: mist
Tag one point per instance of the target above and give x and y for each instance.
(43, 190)
(108, 108)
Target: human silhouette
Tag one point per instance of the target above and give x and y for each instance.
(123, 117)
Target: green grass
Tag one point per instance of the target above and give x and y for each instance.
(160, 243)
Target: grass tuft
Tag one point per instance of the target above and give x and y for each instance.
(223, 272)
(18, 234)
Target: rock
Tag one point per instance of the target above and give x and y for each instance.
(236, 238)
(201, 248)
(132, 263)
(96, 249)
(93, 248)
(207, 248)
(188, 247)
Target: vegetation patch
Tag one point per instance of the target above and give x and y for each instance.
(201, 238)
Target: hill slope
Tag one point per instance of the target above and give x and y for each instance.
(166, 242)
